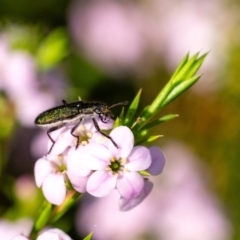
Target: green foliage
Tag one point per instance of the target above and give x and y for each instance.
(42, 219)
(128, 121)
(7, 122)
(88, 237)
(53, 49)
(183, 78)
(160, 120)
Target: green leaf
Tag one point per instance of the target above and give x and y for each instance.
(161, 120)
(197, 65)
(153, 138)
(88, 237)
(180, 66)
(121, 116)
(117, 122)
(184, 72)
(148, 139)
(42, 219)
(53, 49)
(144, 173)
(183, 78)
(179, 89)
(132, 109)
(156, 104)
(189, 69)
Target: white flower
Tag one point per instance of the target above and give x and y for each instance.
(51, 234)
(49, 174)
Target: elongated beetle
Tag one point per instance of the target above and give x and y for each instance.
(74, 113)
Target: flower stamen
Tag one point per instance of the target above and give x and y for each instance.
(115, 165)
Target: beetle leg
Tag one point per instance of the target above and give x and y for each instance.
(72, 132)
(52, 130)
(98, 129)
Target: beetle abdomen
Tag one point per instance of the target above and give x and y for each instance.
(57, 115)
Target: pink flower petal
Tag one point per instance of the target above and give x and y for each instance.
(78, 183)
(54, 188)
(75, 163)
(128, 204)
(42, 169)
(130, 184)
(139, 159)
(96, 156)
(101, 183)
(63, 140)
(158, 161)
(54, 234)
(124, 138)
(19, 237)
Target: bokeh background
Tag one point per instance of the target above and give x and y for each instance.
(107, 50)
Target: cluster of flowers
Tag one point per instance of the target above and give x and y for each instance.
(97, 166)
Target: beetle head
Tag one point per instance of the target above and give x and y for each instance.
(104, 112)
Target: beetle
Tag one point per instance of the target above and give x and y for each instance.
(73, 113)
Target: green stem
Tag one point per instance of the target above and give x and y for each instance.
(50, 213)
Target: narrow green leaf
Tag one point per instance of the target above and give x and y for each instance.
(148, 139)
(180, 66)
(184, 72)
(132, 109)
(198, 63)
(156, 104)
(182, 79)
(121, 116)
(88, 237)
(153, 138)
(160, 120)
(42, 219)
(182, 87)
(116, 123)
(144, 112)
(144, 173)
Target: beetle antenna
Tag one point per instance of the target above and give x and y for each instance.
(120, 103)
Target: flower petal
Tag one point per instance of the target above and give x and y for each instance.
(79, 183)
(124, 138)
(19, 237)
(42, 169)
(95, 156)
(101, 183)
(158, 161)
(63, 140)
(130, 184)
(139, 159)
(128, 204)
(54, 234)
(75, 163)
(54, 188)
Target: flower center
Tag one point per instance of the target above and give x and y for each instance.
(84, 135)
(59, 163)
(116, 165)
